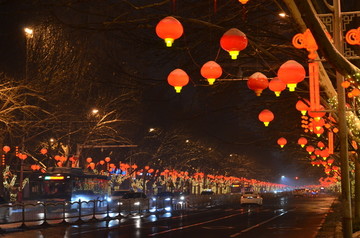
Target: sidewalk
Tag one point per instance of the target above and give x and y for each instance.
(331, 228)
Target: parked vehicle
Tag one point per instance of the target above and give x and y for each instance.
(117, 195)
(251, 198)
(300, 192)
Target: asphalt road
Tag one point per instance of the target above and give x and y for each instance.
(279, 217)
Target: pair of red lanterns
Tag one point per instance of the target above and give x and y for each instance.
(233, 41)
(170, 29)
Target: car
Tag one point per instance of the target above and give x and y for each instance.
(251, 198)
(117, 194)
(207, 192)
(300, 192)
(5, 210)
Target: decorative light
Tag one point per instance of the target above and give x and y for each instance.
(306, 40)
(277, 86)
(320, 144)
(353, 36)
(233, 41)
(266, 116)
(243, 1)
(291, 73)
(178, 78)
(319, 131)
(324, 154)
(6, 149)
(211, 71)
(257, 82)
(169, 29)
(302, 141)
(317, 115)
(310, 149)
(43, 151)
(319, 123)
(282, 142)
(302, 106)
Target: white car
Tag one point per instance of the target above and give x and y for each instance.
(251, 198)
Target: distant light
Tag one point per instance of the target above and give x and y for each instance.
(282, 14)
(296, 178)
(151, 129)
(52, 139)
(282, 176)
(94, 111)
(187, 141)
(29, 32)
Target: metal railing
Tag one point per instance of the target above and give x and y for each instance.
(32, 214)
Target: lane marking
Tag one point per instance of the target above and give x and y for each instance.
(196, 224)
(259, 224)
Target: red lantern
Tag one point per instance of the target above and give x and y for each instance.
(282, 142)
(6, 148)
(257, 82)
(169, 29)
(319, 123)
(312, 157)
(317, 152)
(43, 151)
(147, 167)
(178, 78)
(88, 159)
(266, 116)
(243, 1)
(22, 156)
(92, 165)
(320, 144)
(330, 161)
(324, 154)
(310, 149)
(233, 41)
(319, 131)
(302, 141)
(302, 106)
(107, 159)
(211, 71)
(101, 162)
(277, 86)
(291, 73)
(317, 114)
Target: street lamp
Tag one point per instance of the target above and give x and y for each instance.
(29, 32)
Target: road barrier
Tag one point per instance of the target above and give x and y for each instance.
(31, 214)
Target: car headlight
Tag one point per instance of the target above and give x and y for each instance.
(182, 198)
(154, 199)
(108, 199)
(119, 203)
(167, 199)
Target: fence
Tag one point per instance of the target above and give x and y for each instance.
(31, 214)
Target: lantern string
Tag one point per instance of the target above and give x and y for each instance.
(215, 6)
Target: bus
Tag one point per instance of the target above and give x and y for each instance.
(67, 184)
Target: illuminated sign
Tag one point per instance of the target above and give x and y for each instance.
(54, 177)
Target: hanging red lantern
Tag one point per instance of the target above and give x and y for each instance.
(257, 82)
(101, 162)
(318, 131)
(233, 41)
(291, 73)
(6, 148)
(302, 106)
(319, 123)
(243, 1)
(310, 149)
(317, 115)
(23, 156)
(312, 157)
(43, 151)
(169, 29)
(317, 152)
(92, 165)
(282, 142)
(330, 161)
(178, 78)
(266, 116)
(88, 159)
(324, 153)
(211, 71)
(302, 141)
(107, 159)
(320, 144)
(277, 86)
